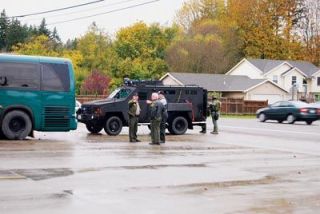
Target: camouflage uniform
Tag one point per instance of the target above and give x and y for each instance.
(156, 108)
(215, 114)
(134, 111)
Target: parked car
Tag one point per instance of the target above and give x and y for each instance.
(290, 111)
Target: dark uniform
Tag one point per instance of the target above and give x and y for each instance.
(134, 111)
(215, 114)
(156, 109)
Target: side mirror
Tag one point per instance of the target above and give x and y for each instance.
(3, 81)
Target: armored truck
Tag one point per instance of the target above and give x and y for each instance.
(187, 107)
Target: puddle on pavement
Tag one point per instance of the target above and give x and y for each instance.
(198, 188)
(43, 174)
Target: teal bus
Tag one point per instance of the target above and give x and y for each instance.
(36, 93)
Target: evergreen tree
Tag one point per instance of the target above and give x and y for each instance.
(43, 30)
(55, 36)
(16, 34)
(4, 24)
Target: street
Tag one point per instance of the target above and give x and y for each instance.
(250, 167)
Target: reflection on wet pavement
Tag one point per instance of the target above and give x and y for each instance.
(238, 171)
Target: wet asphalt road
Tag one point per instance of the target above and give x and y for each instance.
(250, 167)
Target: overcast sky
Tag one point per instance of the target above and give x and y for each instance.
(161, 12)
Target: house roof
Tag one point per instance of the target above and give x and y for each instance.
(217, 82)
(265, 65)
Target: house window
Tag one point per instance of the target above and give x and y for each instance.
(305, 82)
(294, 80)
(275, 79)
(318, 81)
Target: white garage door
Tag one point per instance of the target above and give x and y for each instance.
(272, 98)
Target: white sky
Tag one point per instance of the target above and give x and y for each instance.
(162, 12)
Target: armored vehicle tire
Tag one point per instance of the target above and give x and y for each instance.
(1, 135)
(113, 126)
(178, 126)
(94, 129)
(16, 125)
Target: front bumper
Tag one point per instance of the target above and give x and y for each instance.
(88, 118)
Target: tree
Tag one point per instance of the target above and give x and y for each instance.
(38, 45)
(16, 33)
(140, 51)
(309, 27)
(195, 10)
(4, 24)
(93, 47)
(43, 30)
(199, 51)
(266, 28)
(96, 83)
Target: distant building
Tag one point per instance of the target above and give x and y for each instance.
(230, 86)
(300, 77)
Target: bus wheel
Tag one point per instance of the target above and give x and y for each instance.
(94, 129)
(178, 126)
(16, 125)
(113, 126)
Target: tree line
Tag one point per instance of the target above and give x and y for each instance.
(207, 36)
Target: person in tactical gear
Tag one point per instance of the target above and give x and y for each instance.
(215, 114)
(164, 116)
(156, 109)
(134, 112)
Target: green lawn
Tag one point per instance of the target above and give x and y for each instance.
(233, 116)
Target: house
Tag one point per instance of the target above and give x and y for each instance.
(230, 86)
(297, 77)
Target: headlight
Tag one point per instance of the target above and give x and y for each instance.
(97, 111)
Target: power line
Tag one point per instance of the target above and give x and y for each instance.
(59, 9)
(107, 12)
(80, 11)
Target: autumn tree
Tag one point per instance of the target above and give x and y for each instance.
(199, 51)
(195, 10)
(266, 28)
(309, 27)
(96, 83)
(93, 46)
(38, 45)
(139, 50)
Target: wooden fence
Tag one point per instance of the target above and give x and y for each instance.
(240, 106)
(228, 106)
(88, 98)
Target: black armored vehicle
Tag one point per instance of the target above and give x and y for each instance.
(187, 107)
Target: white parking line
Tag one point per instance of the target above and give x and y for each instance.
(272, 130)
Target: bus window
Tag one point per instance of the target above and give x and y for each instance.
(20, 75)
(55, 77)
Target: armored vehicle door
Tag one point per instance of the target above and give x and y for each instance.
(144, 95)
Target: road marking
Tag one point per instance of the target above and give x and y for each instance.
(273, 130)
(12, 177)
